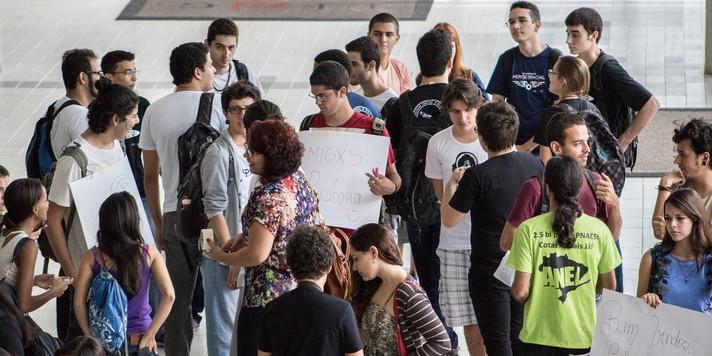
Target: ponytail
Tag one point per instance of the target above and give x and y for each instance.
(564, 220)
(563, 177)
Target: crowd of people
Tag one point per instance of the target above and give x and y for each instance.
(533, 163)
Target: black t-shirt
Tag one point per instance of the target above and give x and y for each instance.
(426, 104)
(133, 153)
(546, 115)
(307, 321)
(619, 91)
(488, 191)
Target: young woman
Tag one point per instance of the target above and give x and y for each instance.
(283, 201)
(26, 214)
(569, 80)
(393, 312)
(132, 262)
(559, 258)
(678, 270)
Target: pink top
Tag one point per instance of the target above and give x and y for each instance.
(397, 76)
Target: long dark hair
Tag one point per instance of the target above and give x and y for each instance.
(691, 205)
(383, 240)
(563, 177)
(113, 99)
(119, 237)
(21, 196)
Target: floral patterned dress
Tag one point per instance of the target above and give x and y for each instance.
(279, 206)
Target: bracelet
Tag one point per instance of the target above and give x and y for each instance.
(664, 189)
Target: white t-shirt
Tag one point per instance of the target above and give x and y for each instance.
(165, 120)
(381, 99)
(68, 124)
(445, 154)
(67, 171)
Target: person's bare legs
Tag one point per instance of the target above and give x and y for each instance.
(475, 345)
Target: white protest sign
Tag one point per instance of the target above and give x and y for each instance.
(628, 326)
(336, 163)
(504, 273)
(91, 191)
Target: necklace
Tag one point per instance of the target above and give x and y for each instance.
(679, 266)
(227, 83)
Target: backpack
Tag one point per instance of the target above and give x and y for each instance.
(620, 122)
(544, 201)
(378, 125)
(507, 59)
(241, 70)
(190, 216)
(605, 154)
(415, 201)
(78, 155)
(39, 156)
(338, 280)
(107, 308)
(191, 142)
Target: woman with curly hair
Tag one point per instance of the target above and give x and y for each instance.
(561, 259)
(283, 201)
(678, 270)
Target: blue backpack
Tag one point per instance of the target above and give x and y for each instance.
(39, 156)
(107, 306)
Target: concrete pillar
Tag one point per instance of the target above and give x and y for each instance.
(708, 37)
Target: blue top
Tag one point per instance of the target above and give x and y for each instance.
(360, 104)
(686, 284)
(527, 90)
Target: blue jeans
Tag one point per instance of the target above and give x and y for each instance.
(220, 307)
(424, 241)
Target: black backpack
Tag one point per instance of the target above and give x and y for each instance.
(415, 201)
(620, 121)
(605, 154)
(544, 202)
(39, 156)
(508, 63)
(241, 70)
(191, 147)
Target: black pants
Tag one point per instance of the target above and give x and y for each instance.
(67, 325)
(498, 315)
(248, 329)
(541, 350)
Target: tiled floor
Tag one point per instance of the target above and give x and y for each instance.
(659, 42)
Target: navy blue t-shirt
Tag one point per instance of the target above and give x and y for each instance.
(360, 104)
(527, 90)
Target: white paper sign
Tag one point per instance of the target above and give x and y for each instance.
(504, 273)
(91, 191)
(628, 326)
(336, 163)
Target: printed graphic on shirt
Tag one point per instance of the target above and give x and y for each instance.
(364, 110)
(528, 81)
(427, 109)
(563, 273)
(465, 159)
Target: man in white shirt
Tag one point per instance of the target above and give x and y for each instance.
(365, 57)
(164, 121)
(80, 70)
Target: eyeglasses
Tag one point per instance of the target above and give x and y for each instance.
(128, 72)
(551, 71)
(99, 73)
(321, 97)
(249, 152)
(236, 110)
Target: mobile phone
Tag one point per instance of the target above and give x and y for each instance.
(205, 235)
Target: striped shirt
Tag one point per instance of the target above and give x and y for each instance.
(421, 329)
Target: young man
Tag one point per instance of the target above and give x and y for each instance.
(357, 101)
(222, 43)
(165, 120)
(614, 92)
(226, 177)
(457, 146)
(694, 159)
(384, 30)
(80, 70)
(307, 321)
(487, 191)
(434, 51)
(567, 135)
(365, 57)
(521, 74)
(329, 84)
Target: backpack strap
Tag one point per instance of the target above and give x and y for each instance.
(507, 66)
(241, 70)
(543, 201)
(50, 115)
(378, 126)
(596, 79)
(306, 122)
(406, 110)
(205, 108)
(75, 151)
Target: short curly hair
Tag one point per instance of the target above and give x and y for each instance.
(699, 132)
(280, 145)
(310, 252)
(239, 90)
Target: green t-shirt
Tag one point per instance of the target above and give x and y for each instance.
(561, 309)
